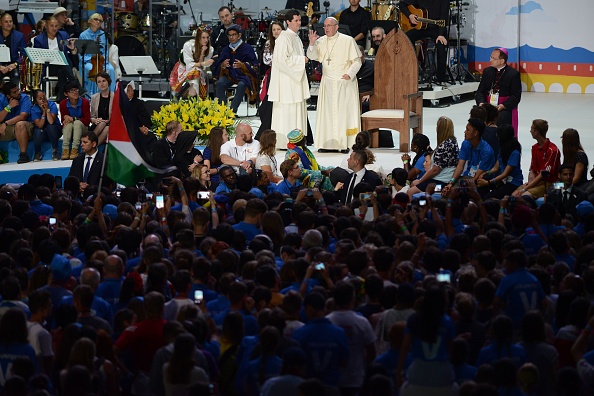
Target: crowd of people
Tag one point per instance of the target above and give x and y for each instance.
(449, 275)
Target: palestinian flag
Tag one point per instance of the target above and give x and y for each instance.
(126, 165)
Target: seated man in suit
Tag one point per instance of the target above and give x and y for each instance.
(356, 163)
(563, 194)
(87, 166)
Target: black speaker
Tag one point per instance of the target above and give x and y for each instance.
(181, 40)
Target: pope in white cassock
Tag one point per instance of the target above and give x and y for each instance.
(288, 89)
(338, 119)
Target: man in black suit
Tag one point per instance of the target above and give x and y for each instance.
(87, 166)
(501, 86)
(356, 163)
(566, 198)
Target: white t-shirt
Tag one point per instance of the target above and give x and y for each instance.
(264, 159)
(52, 44)
(40, 339)
(359, 334)
(172, 308)
(240, 153)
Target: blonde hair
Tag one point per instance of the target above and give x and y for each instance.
(96, 16)
(445, 129)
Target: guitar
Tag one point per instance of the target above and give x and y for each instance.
(309, 12)
(405, 24)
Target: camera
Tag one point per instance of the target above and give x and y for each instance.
(320, 266)
(52, 223)
(203, 195)
(443, 278)
(437, 188)
(138, 206)
(558, 186)
(149, 196)
(160, 202)
(58, 181)
(309, 193)
(365, 196)
(422, 202)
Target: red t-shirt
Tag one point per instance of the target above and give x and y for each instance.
(547, 158)
(143, 340)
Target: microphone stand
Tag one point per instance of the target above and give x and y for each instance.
(192, 12)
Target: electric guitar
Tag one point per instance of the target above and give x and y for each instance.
(405, 24)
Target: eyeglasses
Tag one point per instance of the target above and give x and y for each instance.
(74, 90)
(98, 20)
(232, 34)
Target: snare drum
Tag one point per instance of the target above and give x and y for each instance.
(127, 21)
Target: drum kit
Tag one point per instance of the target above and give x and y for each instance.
(133, 32)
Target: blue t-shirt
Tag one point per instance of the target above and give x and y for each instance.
(99, 307)
(219, 305)
(36, 112)
(191, 204)
(9, 353)
(222, 188)
(493, 352)
(325, 346)
(284, 187)
(207, 155)
(272, 368)
(420, 165)
(515, 178)
(437, 351)
(109, 290)
(481, 157)
(249, 230)
(522, 292)
(24, 106)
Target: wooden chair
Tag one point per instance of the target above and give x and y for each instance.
(396, 102)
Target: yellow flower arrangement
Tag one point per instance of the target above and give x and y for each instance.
(194, 114)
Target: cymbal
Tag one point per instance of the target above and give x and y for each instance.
(163, 3)
(239, 13)
(302, 13)
(108, 5)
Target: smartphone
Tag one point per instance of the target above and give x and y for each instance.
(118, 193)
(138, 206)
(198, 296)
(52, 223)
(320, 267)
(422, 202)
(437, 188)
(558, 186)
(203, 194)
(160, 203)
(309, 193)
(58, 181)
(443, 278)
(365, 196)
(149, 196)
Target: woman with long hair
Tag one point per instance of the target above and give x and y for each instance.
(212, 153)
(419, 145)
(265, 366)
(444, 159)
(429, 333)
(202, 173)
(265, 160)
(574, 155)
(508, 168)
(101, 103)
(273, 226)
(181, 371)
(265, 109)
(195, 58)
(14, 341)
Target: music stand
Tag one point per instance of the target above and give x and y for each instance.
(4, 53)
(139, 65)
(86, 47)
(46, 57)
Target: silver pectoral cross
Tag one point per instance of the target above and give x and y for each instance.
(329, 59)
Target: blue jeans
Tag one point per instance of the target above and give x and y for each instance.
(51, 132)
(223, 84)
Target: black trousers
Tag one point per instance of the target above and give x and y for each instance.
(415, 35)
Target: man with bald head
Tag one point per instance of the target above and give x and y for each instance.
(109, 289)
(339, 116)
(99, 307)
(241, 152)
(149, 240)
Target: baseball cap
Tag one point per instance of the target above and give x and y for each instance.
(61, 268)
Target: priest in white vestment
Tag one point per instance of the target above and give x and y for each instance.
(338, 118)
(288, 89)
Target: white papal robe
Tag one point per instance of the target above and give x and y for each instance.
(338, 118)
(288, 89)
